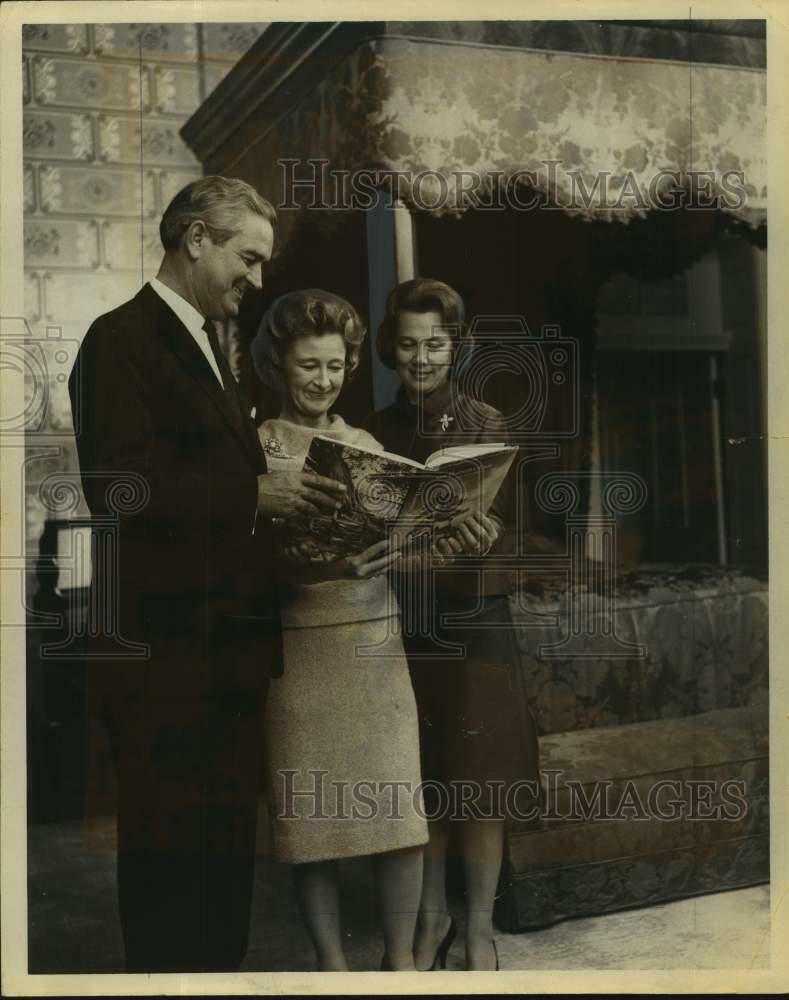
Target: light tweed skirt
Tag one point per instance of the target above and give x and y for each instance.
(342, 734)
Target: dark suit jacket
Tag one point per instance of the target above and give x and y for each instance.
(149, 404)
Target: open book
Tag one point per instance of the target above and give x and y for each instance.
(388, 492)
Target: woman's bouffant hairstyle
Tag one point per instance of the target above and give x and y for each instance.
(219, 202)
(420, 295)
(309, 312)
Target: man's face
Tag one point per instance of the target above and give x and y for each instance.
(223, 273)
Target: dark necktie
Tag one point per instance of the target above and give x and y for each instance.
(217, 351)
(231, 392)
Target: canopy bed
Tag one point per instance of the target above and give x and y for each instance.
(489, 142)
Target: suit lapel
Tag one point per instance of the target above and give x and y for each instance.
(181, 342)
(236, 403)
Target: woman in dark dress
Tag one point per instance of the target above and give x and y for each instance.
(476, 731)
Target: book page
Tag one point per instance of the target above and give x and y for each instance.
(460, 451)
(390, 456)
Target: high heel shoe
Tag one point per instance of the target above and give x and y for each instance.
(495, 952)
(440, 961)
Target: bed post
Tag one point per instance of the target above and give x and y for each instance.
(390, 260)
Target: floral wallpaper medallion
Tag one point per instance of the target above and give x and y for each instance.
(228, 41)
(177, 90)
(114, 192)
(124, 241)
(151, 41)
(64, 243)
(119, 142)
(62, 82)
(58, 135)
(71, 38)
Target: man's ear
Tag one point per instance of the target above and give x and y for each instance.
(195, 238)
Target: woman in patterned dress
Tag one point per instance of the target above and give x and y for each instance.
(344, 711)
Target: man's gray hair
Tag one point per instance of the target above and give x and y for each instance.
(219, 202)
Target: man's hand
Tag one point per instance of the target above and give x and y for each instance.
(282, 494)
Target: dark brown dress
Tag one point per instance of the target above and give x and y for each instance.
(476, 729)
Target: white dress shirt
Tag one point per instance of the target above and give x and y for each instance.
(191, 319)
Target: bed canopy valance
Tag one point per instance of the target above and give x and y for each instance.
(608, 121)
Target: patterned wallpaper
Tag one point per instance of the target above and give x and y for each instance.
(103, 106)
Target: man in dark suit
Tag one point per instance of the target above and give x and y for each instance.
(157, 408)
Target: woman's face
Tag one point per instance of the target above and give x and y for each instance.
(423, 353)
(314, 371)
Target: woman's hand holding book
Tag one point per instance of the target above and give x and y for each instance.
(473, 535)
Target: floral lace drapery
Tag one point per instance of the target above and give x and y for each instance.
(456, 116)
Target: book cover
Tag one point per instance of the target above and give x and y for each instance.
(387, 491)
